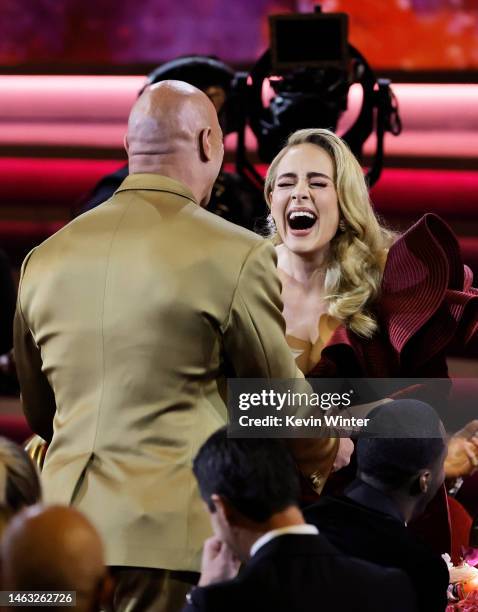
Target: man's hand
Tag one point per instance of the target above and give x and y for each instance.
(462, 458)
(342, 459)
(218, 562)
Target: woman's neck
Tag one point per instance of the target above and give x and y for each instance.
(309, 271)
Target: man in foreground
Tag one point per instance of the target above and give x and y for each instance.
(251, 491)
(396, 479)
(128, 322)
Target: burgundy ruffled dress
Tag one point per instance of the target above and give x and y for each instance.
(427, 305)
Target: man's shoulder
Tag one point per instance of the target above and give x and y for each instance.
(386, 583)
(228, 244)
(364, 578)
(360, 531)
(217, 227)
(207, 227)
(273, 579)
(59, 238)
(316, 551)
(341, 509)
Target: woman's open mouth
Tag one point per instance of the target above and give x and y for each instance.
(301, 221)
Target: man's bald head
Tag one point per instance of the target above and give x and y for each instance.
(173, 129)
(52, 549)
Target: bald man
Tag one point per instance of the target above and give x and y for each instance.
(128, 322)
(55, 549)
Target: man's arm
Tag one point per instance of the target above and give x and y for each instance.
(254, 339)
(38, 400)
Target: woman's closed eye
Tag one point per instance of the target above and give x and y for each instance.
(312, 184)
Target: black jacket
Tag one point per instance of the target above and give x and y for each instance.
(298, 573)
(366, 524)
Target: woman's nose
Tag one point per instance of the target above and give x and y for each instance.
(300, 192)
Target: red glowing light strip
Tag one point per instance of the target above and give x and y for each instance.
(91, 111)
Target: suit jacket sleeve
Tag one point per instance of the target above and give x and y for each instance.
(217, 597)
(255, 345)
(38, 400)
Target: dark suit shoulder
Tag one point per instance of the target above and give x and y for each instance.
(370, 534)
(346, 522)
(381, 539)
(293, 573)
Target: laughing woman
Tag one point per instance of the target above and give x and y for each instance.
(359, 300)
(332, 248)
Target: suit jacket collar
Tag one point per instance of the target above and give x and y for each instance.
(155, 182)
(373, 499)
(293, 544)
(275, 533)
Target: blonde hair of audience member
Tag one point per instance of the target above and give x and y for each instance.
(55, 548)
(358, 251)
(19, 481)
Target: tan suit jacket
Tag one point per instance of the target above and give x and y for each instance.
(128, 321)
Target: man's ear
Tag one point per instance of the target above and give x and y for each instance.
(205, 148)
(126, 143)
(224, 508)
(422, 483)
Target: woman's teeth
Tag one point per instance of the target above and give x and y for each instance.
(301, 219)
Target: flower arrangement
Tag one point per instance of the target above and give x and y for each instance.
(469, 604)
(463, 590)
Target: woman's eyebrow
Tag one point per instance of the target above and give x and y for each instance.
(293, 175)
(318, 174)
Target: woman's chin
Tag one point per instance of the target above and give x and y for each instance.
(306, 245)
(302, 249)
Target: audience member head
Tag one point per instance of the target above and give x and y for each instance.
(407, 460)
(19, 481)
(173, 130)
(55, 549)
(250, 486)
(209, 74)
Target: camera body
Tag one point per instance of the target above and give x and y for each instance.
(310, 65)
(311, 40)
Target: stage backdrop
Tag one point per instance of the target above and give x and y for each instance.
(68, 34)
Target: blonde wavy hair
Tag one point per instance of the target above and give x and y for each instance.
(19, 481)
(357, 254)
